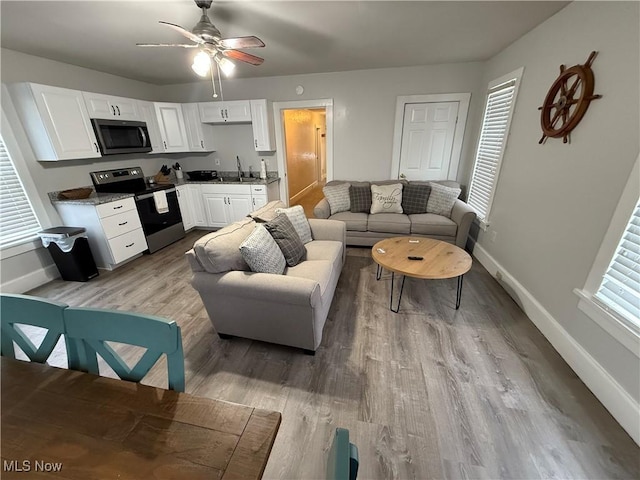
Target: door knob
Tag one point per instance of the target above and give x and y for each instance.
(402, 175)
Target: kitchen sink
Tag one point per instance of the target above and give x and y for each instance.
(237, 180)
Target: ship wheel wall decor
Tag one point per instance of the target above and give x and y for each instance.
(567, 100)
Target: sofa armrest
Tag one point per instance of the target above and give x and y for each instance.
(322, 209)
(463, 215)
(322, 229)
(258, 286)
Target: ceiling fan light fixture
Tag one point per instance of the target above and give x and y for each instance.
(226, 65)
(201, 64)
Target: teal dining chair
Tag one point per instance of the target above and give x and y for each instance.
(91, 328)
(343, 460)
(38, 312)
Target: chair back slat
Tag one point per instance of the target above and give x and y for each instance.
(92, 328)
(343, 461)
(34, 311)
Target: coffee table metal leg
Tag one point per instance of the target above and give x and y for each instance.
(399, 297)
(459, 291)
(378, 272)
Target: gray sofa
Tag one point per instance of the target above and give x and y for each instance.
(367, 229)
(289, 309)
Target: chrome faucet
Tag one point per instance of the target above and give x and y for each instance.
(239, 168)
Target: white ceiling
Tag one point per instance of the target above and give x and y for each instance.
(300, 37)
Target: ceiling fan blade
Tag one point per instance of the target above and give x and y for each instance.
(182, 45)
(241, 42)
(243, 57)
(182, 31)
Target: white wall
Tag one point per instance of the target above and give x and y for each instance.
(554, 202)
(364, 107)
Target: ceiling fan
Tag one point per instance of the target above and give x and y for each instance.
(208, 39)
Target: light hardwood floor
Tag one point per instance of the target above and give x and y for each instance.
(428, 393)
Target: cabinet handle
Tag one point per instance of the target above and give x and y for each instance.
(113, 110)
(118, 108)
(116, 208)
(165, 144)
(226, 113)
(96, 145)
(256, 142)
(130, 245)
(222, 112)
(202, 144)
(254, 201)
(123, 223)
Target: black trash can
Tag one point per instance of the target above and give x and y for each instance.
(70, 249)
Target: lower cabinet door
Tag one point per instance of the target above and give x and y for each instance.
(258, 201)
(239, 206)
(127, 245)
(215, 206)
(186, 208)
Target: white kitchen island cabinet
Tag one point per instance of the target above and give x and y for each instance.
(114, 229)
(111, 107)
(56, 121)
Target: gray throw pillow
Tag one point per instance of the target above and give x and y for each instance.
(338, 197)
(262, 253)
(360, 198)
(441, 199)
(282, 231)
(414, 198)
(299, 221)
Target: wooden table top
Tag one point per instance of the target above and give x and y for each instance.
(101, 428)
(441, 259)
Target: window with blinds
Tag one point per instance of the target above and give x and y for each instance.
(620, 287)
(491, 145)
(18, 222)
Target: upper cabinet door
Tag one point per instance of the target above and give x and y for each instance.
(56, 121)
(200, 135)
(263, 132)
(172, 127)
(108, 106)
(238, 111)
(148, 114)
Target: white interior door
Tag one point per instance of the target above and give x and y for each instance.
(428, 131)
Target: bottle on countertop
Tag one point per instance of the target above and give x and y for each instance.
(263, 169)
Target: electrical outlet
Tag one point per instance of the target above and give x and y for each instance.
(217, 162)
(493, 235)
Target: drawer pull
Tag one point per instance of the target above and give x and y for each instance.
(130, 245)
(123, 223)
(118, 207)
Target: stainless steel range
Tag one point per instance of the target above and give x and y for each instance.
(162, 225)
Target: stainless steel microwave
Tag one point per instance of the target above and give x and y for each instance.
(120, 136)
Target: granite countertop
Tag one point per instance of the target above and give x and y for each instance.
(93, 199)
(246, 181)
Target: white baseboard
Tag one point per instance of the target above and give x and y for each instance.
(624, 408)
(303, 192)
(31, 280)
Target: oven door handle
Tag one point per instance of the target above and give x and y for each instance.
(149, 195)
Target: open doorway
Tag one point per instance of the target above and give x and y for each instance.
(305, 155)
(304, 150)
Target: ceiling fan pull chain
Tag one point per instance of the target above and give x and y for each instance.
(219, 80)
(213, 79)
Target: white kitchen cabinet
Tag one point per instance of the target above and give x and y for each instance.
(225, 203)
(236, 111)
(56, 121)
(186, 209)
(191, 207)
(172, 127)
(148, 115)
(199, 135)
(113, 229)
(111, 107)
(262, 123)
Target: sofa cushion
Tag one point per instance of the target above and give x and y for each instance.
(441, 199)
(386, 198)
(432, 224)
(414, 198)
(338, 197)
(267, 212)
(219, 252)
(360, 197)
(320, 271)
(389, 223)
(262, 253)
(282, 231)
(324, 250)
(356, 222)
(299, 221)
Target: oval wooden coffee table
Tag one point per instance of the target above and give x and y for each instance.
(439, 260)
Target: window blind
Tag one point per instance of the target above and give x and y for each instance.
(18, 221)
(491, 147)
(620, 288)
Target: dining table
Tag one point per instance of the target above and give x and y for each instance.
(59, 423)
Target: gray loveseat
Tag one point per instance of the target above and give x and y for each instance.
(289, 309)
(367, 229)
